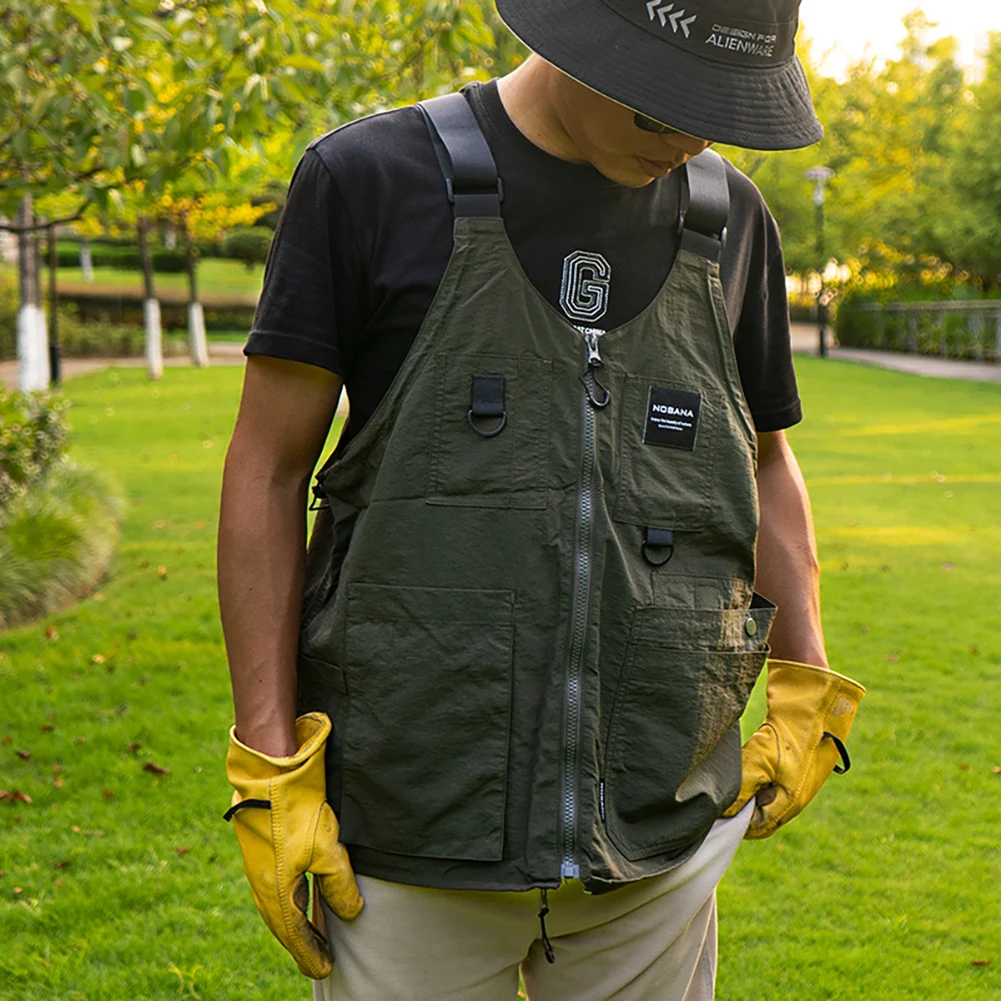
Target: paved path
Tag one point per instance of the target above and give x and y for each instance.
(220, 353)
(805, 340)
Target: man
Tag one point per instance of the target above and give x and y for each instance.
(527, 625)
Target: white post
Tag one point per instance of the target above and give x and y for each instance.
(86, 261)
(196, 335)
(32, 349)
(154, 338)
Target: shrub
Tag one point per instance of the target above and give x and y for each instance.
(56, 541)
(249, 244)
(32, 437)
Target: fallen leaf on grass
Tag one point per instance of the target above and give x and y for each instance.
(892, 658)
(964, 768)
(162, 572)
(61, 865)
(997, 771)
(99, 597)
(6, 741)
(981, 962)
(98, 658)
(58, 881)
(154, 769)
(80, 740)
(24, 755)
(51, 634)
(182, 851)
(18, 891)
(58, 782)
(107, 794)
(948, 566)
(135, 746)
(3, 873)
(144, 565)
(47, 727)
(56, 768)
(88, 834)
(14, 796)
(975, 651)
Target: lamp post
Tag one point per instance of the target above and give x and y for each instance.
(820, 176)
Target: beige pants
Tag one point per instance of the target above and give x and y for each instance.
(654, 940)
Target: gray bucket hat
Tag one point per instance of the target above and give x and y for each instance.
(725, 72)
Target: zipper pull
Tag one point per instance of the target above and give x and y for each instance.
(598, 396)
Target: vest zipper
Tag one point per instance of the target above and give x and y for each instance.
(581, 595)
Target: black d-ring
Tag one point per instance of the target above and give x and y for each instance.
(658, 547)
(493, 432)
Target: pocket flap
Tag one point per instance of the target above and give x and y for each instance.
(705, 629)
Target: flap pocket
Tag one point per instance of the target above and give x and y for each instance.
(426, 740)
(500, 460)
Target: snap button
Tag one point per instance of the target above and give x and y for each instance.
(751, 627)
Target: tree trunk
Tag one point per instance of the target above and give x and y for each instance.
(54, 358)
(32, 350)
(86, 261)
(151, 307)
(196, 315)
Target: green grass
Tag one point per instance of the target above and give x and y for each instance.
(216, 276)
(885, 889)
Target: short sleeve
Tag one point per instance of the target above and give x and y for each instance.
(300, 317)
(762, 340)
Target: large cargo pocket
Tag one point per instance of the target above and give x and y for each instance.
(429, 703)
(666, 460)
(672, 736)
(496, 462)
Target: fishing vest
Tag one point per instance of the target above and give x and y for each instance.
(529, 608)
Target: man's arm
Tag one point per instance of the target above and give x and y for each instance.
(788, 569)
(284, 418)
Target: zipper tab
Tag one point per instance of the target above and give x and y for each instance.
(570, 870)
(598, 395)
(591, 336)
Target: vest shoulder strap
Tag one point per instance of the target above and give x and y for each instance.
(704, 221)
(471, 179)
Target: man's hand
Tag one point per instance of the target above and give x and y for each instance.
(810, 713)
(286, 828)
(810, 708)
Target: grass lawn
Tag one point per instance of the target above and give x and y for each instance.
(216, 277)
(120, 882)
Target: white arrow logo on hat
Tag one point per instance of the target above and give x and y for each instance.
(663, 11)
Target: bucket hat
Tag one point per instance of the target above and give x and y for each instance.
(724, 72)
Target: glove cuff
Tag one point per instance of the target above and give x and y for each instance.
(848, 686)
(311, 733)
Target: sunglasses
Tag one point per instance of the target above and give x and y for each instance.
(652, 125)
(647, 124)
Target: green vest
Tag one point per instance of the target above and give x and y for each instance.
(529, 608)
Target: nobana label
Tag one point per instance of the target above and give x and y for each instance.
(672, 418)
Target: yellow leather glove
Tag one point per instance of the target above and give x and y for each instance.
(286, 828)
(810, 712)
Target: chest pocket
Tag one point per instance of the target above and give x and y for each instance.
(670, 439)
(489, 437)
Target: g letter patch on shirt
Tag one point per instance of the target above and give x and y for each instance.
(672, 418)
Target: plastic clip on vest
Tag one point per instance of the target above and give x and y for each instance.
(286, 828)
(810, 714)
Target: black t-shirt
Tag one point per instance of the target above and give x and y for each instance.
(366, 234)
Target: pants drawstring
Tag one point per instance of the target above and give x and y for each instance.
(547, 946)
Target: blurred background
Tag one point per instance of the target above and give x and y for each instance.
(145, 151)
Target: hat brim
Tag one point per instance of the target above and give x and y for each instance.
(764, 108)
